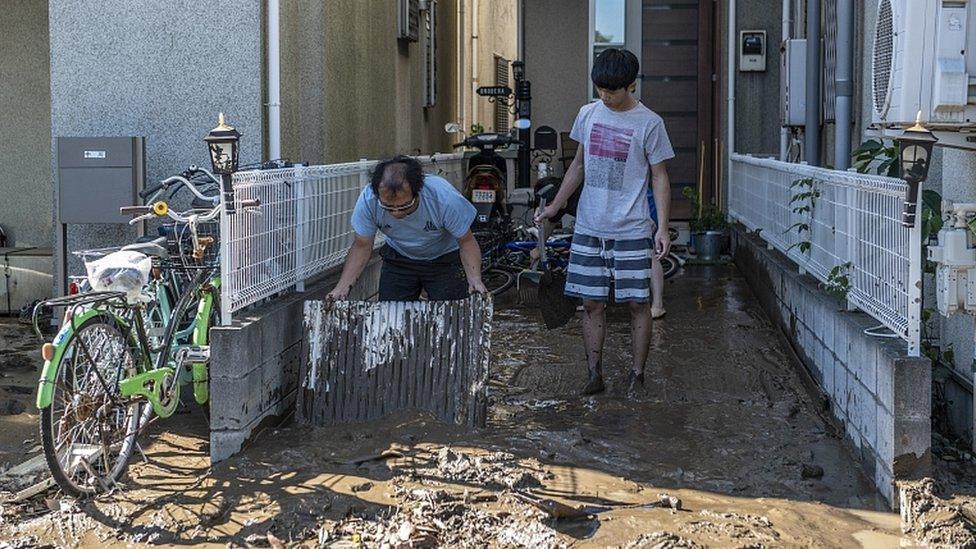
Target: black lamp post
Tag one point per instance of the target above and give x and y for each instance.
(223, 143)
(915, 154)
(523, 115)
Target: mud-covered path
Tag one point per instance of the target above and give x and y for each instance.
(725, 424)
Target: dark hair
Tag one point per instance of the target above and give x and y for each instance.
(394, 173)
(614, 69)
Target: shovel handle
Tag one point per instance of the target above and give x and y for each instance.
(542, 237)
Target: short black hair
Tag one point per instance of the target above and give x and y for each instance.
(402, 170)
(614, 69)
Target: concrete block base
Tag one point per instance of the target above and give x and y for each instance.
(882, 397)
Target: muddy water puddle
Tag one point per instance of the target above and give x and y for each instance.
(723, 447)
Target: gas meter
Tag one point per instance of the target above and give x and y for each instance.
(956, 258)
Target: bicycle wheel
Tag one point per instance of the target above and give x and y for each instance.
(88, 432)
(670, 265)
(497, 280)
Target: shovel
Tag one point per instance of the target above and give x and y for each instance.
(557, 308)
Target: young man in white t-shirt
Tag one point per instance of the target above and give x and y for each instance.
(615, 240)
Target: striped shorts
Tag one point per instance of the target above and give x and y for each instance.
(595, 262)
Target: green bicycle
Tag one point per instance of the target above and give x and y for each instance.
(129, 343)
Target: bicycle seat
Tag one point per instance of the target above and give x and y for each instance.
(152, 248)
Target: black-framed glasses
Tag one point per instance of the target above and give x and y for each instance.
(396, 209)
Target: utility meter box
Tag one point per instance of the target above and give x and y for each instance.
(98, 175)
(752, 51)
(793, 83)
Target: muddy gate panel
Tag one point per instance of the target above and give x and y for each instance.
(366, 360)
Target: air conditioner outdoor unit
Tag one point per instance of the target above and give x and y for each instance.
(922, 61)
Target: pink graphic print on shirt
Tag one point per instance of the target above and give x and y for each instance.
(607, 153)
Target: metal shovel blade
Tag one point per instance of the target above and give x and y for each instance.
(556, 307)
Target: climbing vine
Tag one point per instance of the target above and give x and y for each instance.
(802, 203)
(838, 282)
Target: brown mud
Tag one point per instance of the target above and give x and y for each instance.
(723, 447)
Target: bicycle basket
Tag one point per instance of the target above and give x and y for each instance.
(179, 242)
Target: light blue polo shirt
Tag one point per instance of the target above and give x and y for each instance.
(442, 217)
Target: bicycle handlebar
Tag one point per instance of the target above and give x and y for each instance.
(183, 179)
(161, 209)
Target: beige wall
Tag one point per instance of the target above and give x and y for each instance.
(351, 90)
(490, 29)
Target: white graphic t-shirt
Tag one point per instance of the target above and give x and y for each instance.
(619, 148)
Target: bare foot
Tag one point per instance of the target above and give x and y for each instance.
(658, 313)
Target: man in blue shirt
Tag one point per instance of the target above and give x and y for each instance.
(427, 225)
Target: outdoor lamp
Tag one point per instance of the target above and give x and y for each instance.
(223, 141)
(915, 154)
(518, 70)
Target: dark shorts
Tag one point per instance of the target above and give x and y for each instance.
(597, 263)
(402, 278)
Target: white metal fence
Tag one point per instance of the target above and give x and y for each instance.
(822, 219)
(301, 229)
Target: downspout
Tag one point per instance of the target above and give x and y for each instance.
(474, 61)
(274, 82)
(784, 132)
(459, 104)
(730, 70)
(811, 140)
(844, 84)
(520, 22)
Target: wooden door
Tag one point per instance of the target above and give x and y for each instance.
(677, 58)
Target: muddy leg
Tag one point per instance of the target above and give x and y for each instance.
(640, 331)
(594, 333)
(657, 288)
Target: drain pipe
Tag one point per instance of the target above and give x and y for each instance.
(811, 141)
(784, 132)
(274, 82)
(474, 61)
(730, 70)
(844, 84)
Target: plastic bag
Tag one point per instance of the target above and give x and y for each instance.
(123, 271)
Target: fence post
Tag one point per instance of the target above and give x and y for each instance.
(299, 199)
(852, 240)
(915, 284)
(225, 270)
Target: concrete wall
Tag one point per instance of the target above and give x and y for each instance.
(757, 93)
(350, 90)
(256, 361)
(880, 397)
(25, 131)
(160, 70)
(556, 60)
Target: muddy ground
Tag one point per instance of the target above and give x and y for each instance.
(724, 447)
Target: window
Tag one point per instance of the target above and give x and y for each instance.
(408, 20)
(501, 109)
(429, 21)
(607, 28)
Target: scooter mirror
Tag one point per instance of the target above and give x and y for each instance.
(452, 127)
(523, 123)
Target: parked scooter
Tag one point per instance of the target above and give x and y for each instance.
(485, 184)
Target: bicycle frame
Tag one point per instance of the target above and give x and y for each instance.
(147, 382)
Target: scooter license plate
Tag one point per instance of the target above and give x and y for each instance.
(482, 196)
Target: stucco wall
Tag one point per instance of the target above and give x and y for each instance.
(160, 70)
(556, 60)
(757, 93)
(497, 34)
(25, 130)
(350, 90)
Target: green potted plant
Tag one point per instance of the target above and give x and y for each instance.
(708, 226)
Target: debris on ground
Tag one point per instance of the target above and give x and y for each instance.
(662, 540)
(737, 526)
(494, 469)
(809, 471)
(933, 521)
(425, 517)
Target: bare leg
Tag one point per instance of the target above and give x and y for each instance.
(594, 333)
(657, 288)
(640, 330)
